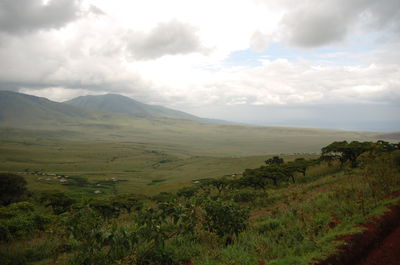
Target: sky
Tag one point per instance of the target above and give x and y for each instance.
(311, 63)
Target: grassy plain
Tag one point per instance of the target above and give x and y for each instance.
(153, 155)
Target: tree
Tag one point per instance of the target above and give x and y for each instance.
(345, 152)
(300, 165)
(277, 172)
(225, 218)
(12, 188)
(253, 178)
(219, 183)
(276, 160)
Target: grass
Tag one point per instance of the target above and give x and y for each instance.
(142, 165)
(302, 224)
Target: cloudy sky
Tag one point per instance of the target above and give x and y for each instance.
(311, 63)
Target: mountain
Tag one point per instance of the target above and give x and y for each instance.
(25, 118)
(125, 105)
(23, 110)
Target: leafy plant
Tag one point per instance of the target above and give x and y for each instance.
(225, 218)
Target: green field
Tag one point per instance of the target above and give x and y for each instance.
(141, 165)
(143, 151)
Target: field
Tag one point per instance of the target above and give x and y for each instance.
(153, 155)
(146, 168)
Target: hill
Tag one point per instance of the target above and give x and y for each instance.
(21, 110)
(124, 105)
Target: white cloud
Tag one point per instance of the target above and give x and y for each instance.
(20, 16)
(173, 52)
(168, 38)
(314, 23)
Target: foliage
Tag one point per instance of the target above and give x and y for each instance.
(12, 188)
(164, 197)
(225, 218)
(187, 192)
(345, 152)
(59, 201)
(21, 219)
(380, 172)
(127, 202)
(276, 160)
(253, 178)
(105, 208)
(97, 242)
(244, 196)
(219, 184)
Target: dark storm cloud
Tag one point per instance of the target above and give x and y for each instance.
(315, 23)
(20, 16)
(170, 38)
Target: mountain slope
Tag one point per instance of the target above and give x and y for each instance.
(124, 105)
(23, 110)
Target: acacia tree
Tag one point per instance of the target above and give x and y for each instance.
(276, 160)
(277, 173)
(301, 165)
(219, 184)
(345, 152)
(253, 178)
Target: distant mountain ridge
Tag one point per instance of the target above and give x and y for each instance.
(22, 110)
(124, 105)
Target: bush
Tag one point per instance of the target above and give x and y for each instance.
(225, 218)
(244, 196)
(12, 188)
(20, 219)
(59, 201)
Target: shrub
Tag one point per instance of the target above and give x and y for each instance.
(225, 218)
(244, 196)
(12, 188)
(20, 219)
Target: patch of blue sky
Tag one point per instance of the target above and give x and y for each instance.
(348, 53)
(247, 57)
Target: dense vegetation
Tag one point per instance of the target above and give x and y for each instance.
(282, 212)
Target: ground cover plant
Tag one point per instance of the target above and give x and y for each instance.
(282, 211)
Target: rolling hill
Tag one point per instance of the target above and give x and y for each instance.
(124, 105)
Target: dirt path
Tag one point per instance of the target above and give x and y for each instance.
(378, 244)
(387, 253)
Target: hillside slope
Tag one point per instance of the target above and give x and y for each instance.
(124, 105)
(21, 110)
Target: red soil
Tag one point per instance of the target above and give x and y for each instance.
(378, 244)
(388, 252)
